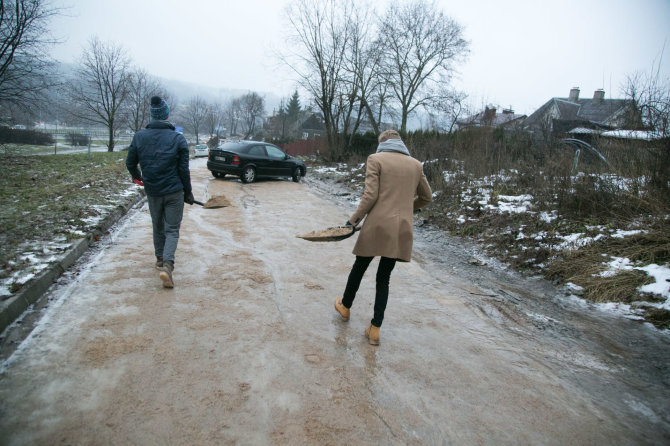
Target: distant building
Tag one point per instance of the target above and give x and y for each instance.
(559, 116)
(365, 126)
(491, 118)
(311, 127)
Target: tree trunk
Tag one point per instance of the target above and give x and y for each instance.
(371, 117)
(403, 124)
(110, 143)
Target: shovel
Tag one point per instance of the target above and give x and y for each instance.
(212, 203)
(333, 234)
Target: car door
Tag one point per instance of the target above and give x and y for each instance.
(258, 156)
(280, 165)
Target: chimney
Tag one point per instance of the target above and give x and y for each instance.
(489, 114)
(574, 94)
(599, 95)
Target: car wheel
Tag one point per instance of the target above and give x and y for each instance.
(297, 174)
(218, 174)
(248, 175)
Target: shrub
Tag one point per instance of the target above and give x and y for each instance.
(17, 136)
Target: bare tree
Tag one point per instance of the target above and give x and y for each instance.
(280, 121)
(231, 115)
(422, 45)
(445, 109)
(320, 32)
(141, 87)
(363, 62)
(193, 114)
(101, 86)
(649, 94)
(24, 41)
(252, 108)
(214, 119)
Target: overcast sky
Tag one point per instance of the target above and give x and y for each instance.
(523, 52)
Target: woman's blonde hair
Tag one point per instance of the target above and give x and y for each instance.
(389, 134)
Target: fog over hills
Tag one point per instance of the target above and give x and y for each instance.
(182, 91)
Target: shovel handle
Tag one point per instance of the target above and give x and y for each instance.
(200, 203)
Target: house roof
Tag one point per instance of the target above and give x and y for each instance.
(482, 119)
(597, 111)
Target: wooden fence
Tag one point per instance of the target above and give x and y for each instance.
(306, 147)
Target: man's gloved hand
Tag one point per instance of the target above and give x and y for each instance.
(348, 224)
(188, 198)
(138, 181)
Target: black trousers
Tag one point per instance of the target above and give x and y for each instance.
(383, 276)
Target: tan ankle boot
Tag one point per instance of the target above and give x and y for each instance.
(166, 274)
(344, 311)
(372, 333)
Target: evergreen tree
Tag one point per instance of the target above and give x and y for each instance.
(293, 107)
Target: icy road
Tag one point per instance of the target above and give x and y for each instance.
(247, 348)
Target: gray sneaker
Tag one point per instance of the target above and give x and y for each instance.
(166, 274)
(159, 263)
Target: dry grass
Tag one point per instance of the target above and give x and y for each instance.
(54, 198)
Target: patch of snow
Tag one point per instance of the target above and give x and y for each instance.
(621, 234)
(548, 217)
(574, 288)
(448, 176)
(329, 170)
(661, 286)
(620, 309)
(516, 198)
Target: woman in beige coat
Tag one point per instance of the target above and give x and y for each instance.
(395, 186)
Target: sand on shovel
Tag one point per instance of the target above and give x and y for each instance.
(328, 235)
(218, 201)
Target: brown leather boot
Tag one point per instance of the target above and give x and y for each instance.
(166, 274)
(344, 311)
(159, 263)
(372, 333)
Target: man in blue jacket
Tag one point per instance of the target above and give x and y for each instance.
(162, 154)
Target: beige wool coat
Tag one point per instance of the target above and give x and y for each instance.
(395, 186)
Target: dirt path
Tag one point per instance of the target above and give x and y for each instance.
(247, 349)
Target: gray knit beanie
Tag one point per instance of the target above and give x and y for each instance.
(159, 109)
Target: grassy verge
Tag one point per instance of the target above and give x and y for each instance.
(48, 201)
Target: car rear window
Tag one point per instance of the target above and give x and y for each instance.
(234, 147)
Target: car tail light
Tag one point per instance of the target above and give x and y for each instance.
(236, 160)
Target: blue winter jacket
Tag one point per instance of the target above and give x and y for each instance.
(163, 157)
